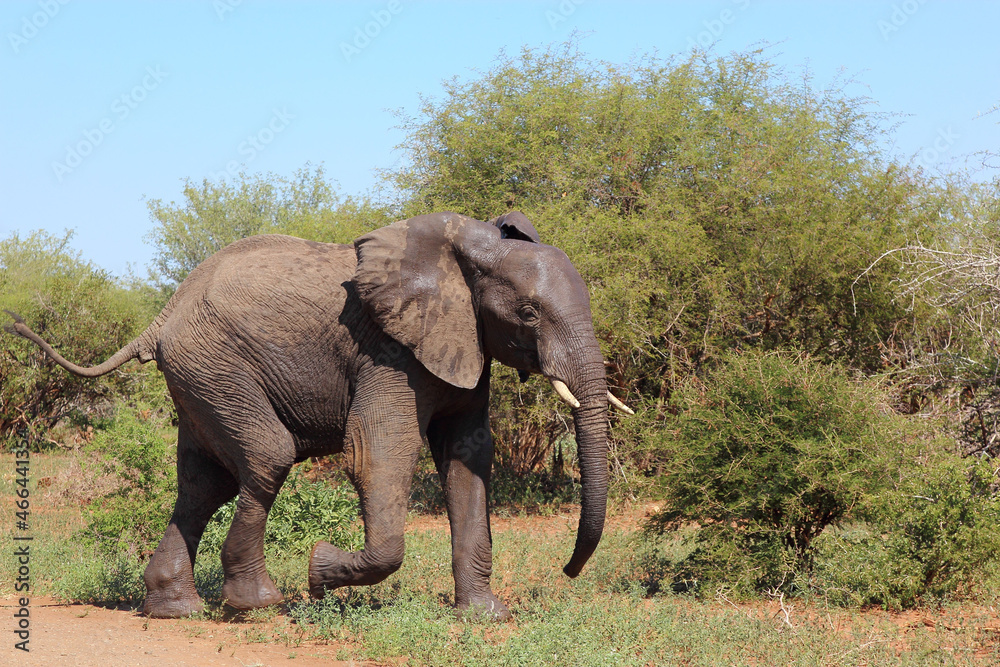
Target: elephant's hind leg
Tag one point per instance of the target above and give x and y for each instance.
(248, 585)
(202, 487)
(264, 464)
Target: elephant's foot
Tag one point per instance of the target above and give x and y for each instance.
(483, 606)
(330, 567)
(170, 591)
(325, 562)
(245, 593)
(160, 604)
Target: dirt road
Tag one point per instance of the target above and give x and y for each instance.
(86, 636)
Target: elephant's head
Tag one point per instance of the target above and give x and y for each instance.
(457, 291)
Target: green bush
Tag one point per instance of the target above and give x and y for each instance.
(739, 202)
(304, 512)
(109, 579)
(935, 532)
(83, 311)
(765, 454)
(139, 455)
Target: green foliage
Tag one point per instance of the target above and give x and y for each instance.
(134, 451)
(763, 456)
(739, 204)
(214, 214)
(934, 533)
(304, 512)
(102, 579)
(952, 282)
(717, 178)
(83, 311)
(786, 475)
(530, 431)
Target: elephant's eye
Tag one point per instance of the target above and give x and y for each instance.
(528, 314)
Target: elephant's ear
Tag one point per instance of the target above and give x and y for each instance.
(410, 279)
(515, 225)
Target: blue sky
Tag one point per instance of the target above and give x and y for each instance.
(108, 104)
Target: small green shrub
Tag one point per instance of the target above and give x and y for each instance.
(134, 451)
(106, 580)
(933, 534)
(304, 512)
(767, 453)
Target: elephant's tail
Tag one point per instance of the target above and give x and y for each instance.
(142, 348)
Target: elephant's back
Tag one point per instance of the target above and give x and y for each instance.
(288, 274)
(266, 276)
(267, 311)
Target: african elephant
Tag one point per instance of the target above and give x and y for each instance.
(277, 349)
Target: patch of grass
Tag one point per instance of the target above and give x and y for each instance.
(50, 523)
(513, 493)
(304, 512)
(595, 620)
(617, 612)
(104, 581)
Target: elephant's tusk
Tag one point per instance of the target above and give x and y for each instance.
(564, 393)
(618, 405)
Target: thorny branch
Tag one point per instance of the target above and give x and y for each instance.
(963, 284)
(969, 279)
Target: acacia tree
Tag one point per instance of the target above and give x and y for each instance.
(742, 203)
(953, 285)
(711, 203)
(960, 274)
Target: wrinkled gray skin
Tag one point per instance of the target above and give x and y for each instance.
(276, 349)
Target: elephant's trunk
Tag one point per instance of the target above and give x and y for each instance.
(591, 421)
(583, 370)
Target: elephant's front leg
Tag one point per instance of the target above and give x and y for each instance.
(463, 451)
(381, 466)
